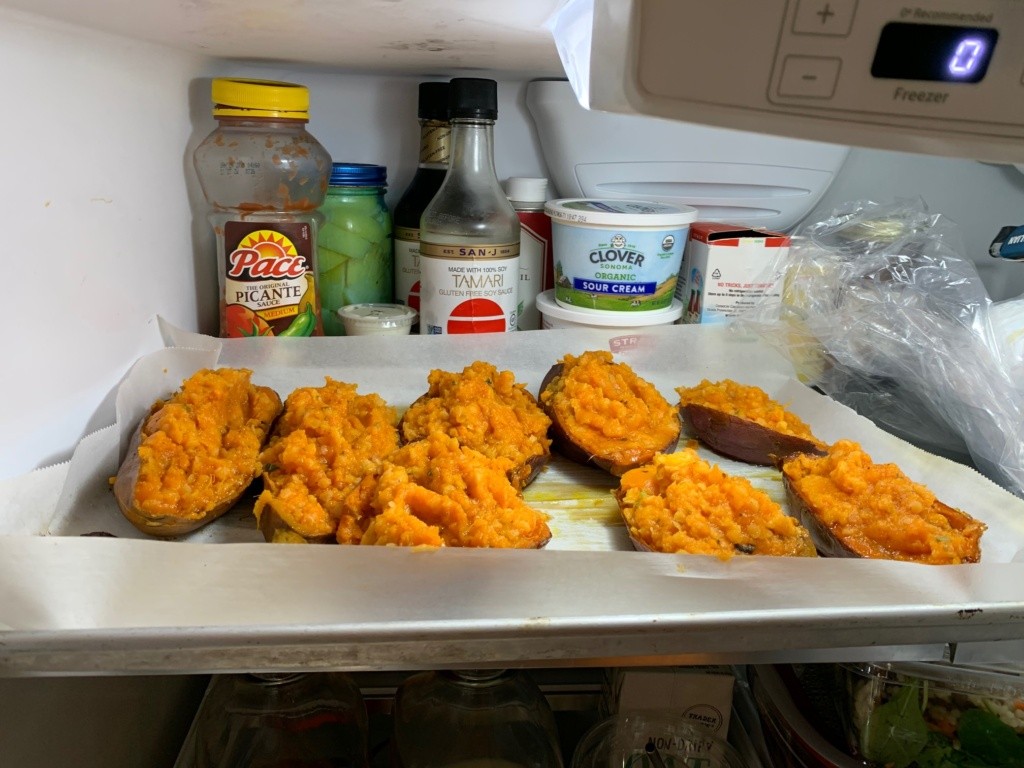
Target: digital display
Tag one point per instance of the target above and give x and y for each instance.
(934, 52)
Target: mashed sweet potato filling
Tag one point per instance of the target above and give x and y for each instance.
(877, 511)
(201, 447)
(605, 409)
(681, 503)
(436, 492)
(486, 410)
(326, 441)
(746, 402)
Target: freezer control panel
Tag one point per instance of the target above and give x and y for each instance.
(940, 76)
(935, 60)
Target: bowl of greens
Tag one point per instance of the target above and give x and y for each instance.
(935, 715)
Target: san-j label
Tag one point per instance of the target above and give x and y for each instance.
(468, 288)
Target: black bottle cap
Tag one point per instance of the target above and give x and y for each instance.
(473, 97)
(433, 103)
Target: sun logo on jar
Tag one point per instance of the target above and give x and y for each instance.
(267, 242)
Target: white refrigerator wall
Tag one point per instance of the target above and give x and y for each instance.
(108, 227)
(104, 232)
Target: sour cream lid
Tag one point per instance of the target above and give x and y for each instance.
(549, 306)
(628, 213)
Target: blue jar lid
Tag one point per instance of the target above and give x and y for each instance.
(358, 175)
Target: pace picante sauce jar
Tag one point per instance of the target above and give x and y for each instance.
(265, 177)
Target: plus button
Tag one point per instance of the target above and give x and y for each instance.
(832, 18)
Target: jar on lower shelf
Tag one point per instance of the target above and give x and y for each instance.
(473, 719)
(275, 720)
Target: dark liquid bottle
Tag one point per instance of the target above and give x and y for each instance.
(435, 135)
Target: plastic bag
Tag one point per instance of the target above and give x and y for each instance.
(878, 307)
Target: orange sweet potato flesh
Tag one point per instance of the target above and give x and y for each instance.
(604, 414)
(327, 440)
(856, 508)
(740, 421)
(486, 410)
(436, 492)
(681, 503)
(195, 454)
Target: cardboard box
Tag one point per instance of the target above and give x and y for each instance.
(701, 695)
(724, 270)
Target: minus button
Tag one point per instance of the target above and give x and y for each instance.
(812, 77)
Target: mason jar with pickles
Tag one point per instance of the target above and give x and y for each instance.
(354, 251)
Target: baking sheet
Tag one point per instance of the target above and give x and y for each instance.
(582, 597)
(582, 510)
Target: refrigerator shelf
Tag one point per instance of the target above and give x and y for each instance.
(221, 600)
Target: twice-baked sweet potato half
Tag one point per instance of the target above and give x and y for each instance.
(327, 440)
(856, 508)
(742, 422)
(681, 503)
(486, 410)
(194, 455)
(602, 413)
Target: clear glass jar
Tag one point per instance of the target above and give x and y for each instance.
(278, 721)
(652, 739)
(473, 719)
(264, 176)
(354, 251)
(469, 233)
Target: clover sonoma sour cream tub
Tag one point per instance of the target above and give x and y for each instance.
(617, 255)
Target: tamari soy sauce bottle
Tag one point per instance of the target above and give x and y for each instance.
(469, 234)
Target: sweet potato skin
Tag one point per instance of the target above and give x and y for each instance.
(742, 439)
(169, 525)
(681, 503)
(563, 441)
(164, 526)
(831, 543)
(515, 425)
(520, 476)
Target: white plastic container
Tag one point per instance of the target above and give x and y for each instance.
(617, 256)
(368, 319)
(554, 315)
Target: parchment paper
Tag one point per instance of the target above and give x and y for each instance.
(578, 499)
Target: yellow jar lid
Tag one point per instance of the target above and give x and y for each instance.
(239, 97)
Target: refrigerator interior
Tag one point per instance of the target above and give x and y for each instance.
(106, 227)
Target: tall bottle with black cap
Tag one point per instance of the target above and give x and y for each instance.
(469, 233)
(435, 142)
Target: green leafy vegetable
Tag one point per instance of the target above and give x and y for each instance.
(896, 732)
(939, 752)
(986, 737)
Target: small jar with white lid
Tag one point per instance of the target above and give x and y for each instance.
(375, 319)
